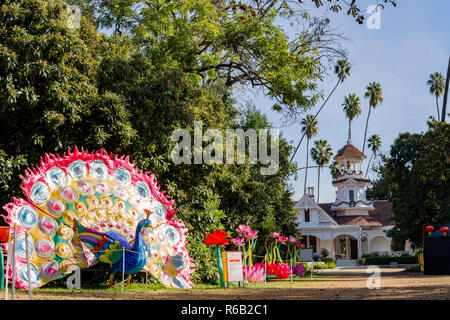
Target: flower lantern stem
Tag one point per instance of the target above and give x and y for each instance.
(250, 248)
(2, 275)
(278, 253)
(220, 266)
(275, 252)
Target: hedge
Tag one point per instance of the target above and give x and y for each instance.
(388, 260)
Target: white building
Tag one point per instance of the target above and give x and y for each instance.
(350, 226)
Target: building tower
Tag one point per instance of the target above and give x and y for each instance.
(351, 185)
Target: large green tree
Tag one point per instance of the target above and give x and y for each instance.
(62, 87)
(416, 178)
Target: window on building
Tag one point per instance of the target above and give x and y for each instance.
(351, 195)
(307, 217)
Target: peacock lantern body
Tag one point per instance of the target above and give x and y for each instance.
(84, 208)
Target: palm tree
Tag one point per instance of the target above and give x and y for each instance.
(374, 93)
(342, 70)
(437, 86)
(374, 143)
(334, 170)
(352, 110)
(321, 154)
(310, 130)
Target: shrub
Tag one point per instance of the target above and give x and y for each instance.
(324, 253)
(327, 260)
(329, 265)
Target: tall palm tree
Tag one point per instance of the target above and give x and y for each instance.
(437, 86)
(374, 143)
(310, 129)
(342, 70)
(321, 154)
(375, 95)
(352, 110)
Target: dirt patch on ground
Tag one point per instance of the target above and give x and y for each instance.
(333, 285)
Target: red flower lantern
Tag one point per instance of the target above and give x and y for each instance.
(444, 230)
(217, 237)
(429, 229)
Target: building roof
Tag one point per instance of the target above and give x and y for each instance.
(382, 215)
(349, 151)
(306, 202)
(358, 220)
(383, 212)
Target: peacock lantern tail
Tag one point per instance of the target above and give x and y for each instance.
(84, 208)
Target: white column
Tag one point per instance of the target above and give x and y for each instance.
(332, 246)
(359, 245)
(347, 246)
(323, 239)
(368, 244)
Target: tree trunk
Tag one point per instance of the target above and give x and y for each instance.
(367, 170)
(349, 140)
(365, 131)
(437, 108)
(307, 157)
(318, 185)
(444, 105)
(315, 116)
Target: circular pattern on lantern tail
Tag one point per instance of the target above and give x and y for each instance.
(55, 207)
(159, 210)
(44, 248)
(56, 176)
(98, 169)
(122, 176)
(21, 246)
(63, 250)
(179, 282)
(102, 187)
(142, 190)
(27, 216)
(47, 225)
(68, 194)
(178, 262)
(49, 270)
(65, 232)
(69, 217)
(120, 192)
(22, 275)
(78, 169)
(85, 187)
(172, 236)
(39, 193)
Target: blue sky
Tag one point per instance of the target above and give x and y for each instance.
(413, 42)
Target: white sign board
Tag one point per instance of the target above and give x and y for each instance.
(233, 261)
(306, 255)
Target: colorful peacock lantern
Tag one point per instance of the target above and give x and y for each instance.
(84, 208)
